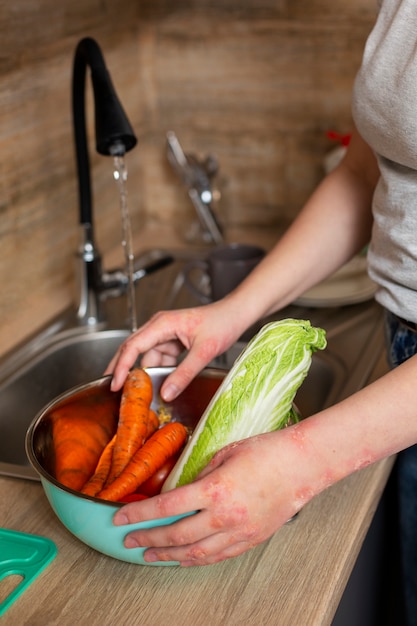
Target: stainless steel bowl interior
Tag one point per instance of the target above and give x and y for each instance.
(187, 408)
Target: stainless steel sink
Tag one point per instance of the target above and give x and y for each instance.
(64, 355)
(63, 362)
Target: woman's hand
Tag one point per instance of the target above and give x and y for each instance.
(242, 497)
(252, 487)
(205, 332)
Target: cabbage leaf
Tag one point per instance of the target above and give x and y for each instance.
(255, 397)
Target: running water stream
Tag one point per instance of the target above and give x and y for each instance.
(120, 175)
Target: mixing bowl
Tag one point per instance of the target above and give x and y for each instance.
(89, 518)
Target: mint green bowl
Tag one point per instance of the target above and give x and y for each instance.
(90, 519)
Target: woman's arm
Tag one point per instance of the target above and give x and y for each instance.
(333, 225)
(250, 489)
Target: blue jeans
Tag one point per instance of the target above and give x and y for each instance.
(401, 345)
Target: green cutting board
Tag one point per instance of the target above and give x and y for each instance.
(25, 556)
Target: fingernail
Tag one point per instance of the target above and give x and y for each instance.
(120, 519)
(150, 556)
(170, 393)
(130, 542)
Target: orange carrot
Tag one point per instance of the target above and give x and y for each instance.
(133, 420)
(153, 423)
(97, 480)
(80, 433)
(164, 443)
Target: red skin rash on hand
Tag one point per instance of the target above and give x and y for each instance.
(364, 460)
(298, 436)
(228, 513)
(329, 475)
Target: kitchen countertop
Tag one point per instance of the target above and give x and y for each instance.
(296, 577)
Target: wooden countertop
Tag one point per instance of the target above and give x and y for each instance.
(297, 577)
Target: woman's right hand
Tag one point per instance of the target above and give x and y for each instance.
(204, 332)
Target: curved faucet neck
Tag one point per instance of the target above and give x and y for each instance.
(114, 137)
(114, 134)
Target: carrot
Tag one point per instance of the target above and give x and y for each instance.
(133, 420)
(153, 423)
(164, 443)
(80, 433)
(97, 480)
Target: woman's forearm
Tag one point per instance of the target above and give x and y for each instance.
(307, 253)
(366, 427)
(334, 225)
(287, 468)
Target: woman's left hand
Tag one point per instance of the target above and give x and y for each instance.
(241, 497)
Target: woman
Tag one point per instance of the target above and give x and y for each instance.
(371, 196)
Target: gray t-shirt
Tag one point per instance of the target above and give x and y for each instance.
(385, 113)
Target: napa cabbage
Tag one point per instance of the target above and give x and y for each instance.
(255, 397)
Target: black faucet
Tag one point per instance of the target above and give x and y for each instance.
(114, 134)
(114, 137)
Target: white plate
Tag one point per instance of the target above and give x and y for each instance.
(349, 285)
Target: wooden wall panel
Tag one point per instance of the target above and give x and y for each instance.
(38, 203)
(257, 83)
